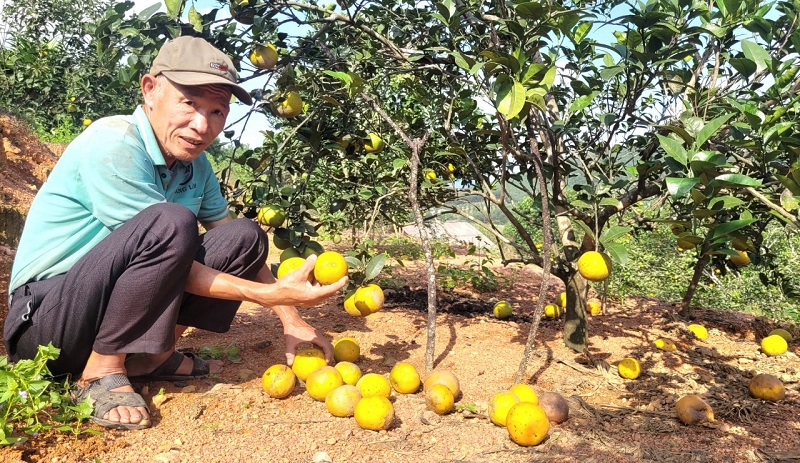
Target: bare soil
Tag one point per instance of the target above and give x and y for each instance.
(227, 418)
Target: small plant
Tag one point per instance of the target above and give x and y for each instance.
(469, 407)
(31, 402)
(231, 352)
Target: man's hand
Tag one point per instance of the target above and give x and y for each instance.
(296, 332)
(296, 290)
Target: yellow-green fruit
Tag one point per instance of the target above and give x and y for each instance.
(562, 300)
(767, 387)
(375, 144)
(629, 368)
(787, 336)
(429, 174)
(288, 254)
(350, 306)
(307, 361)
(350, 372)
(373, 384)
(739, 244)
(404, 378)
(524, 392)
(774, 345)
(594, 306)
(346, 350)
(502, 310)
(740, 259)
(499, 406)
(278, 381)
(272, 216)
(699, 331)
(684, 244)
(677, 228)
(440, 399)
(594, 266)
(527, 424)
(369, 299)
(87, 122)
(552, 311)
(290, 107)
(290, 265)
(264, 56)
(665, 345)
(374, 413)
(281, 243)
(322, 381)
(311, 248)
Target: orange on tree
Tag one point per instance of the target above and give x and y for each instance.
(350, 306)
(288, 254)
(527, 424)
(330, 267)
(374, 143)
(562, 300)
(307, 361)
(594, 266)
(311, 247)
(87, 122)
(271, 215)
(740, 259)
(242, 11)
(278, 381)
(369, 299)
(291, 106)
(281, 243)
(264, 56)
(404, 378)
(429, 174)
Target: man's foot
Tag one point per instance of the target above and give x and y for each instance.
(115, 403)
(170, 366)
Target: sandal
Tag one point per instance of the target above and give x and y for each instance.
(103, 399)
(166, 371)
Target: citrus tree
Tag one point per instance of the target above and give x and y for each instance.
(589, 109)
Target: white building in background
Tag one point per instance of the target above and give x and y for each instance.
(454, 232)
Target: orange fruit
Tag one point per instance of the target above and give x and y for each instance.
(290, 265)
(524, 392)
(272, 216)
(288, 253)
(330, 267)
(629, 368)
(594, 306)
(374, 413)
(278, 381)
(562, 300)
(375, 144)
(594, 266)
(404, 378)
(369, 299)
(502, 310)
(499, 406)
(308, 360)
(446, 378)
(439, 399)
(699, 331)
(374, 385)
(552, 311)
(527, 424)
(350, 306)
(351, 373)
(740, 259)
(767, 387)
(774, 345)
(291, 106)
(346, 350)
(322, 381)
(342, 401)
(264, 56)
(665, 345)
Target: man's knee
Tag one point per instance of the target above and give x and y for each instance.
(170, 219)
(248, 233)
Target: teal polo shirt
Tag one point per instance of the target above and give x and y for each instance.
(108, 174)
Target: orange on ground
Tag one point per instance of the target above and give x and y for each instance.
(322, 381)
(446, 377)
(374, 413)
(527, 424)
(308, 360)
(404, 378)
(278, 381)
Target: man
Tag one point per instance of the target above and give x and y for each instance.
(111, 268)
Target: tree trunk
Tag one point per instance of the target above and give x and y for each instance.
(686, 307)
(576, 330)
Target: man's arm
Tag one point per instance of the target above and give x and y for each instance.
(295, 329)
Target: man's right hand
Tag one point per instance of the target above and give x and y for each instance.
(295, 289)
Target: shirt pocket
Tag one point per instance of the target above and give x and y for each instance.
(193, 204)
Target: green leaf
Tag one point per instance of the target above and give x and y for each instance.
(673, 148)
(374, 267)
(728, 227)
(789, 201)
(617, 251)
(679, 187)
(611, 234)
(585, 229)
(530, 10)
(149, 11)
(582, 102)
(757, 54)
(737, 180)
(195, 19)
(173, 8)
(343, 76)
(745, 66)
(725, 202)
(709, 129)
(510, 97)
(580, 32)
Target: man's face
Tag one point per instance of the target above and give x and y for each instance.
(185, 119)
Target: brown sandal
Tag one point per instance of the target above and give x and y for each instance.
(103, 399)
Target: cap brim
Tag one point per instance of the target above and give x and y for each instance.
(201, 78)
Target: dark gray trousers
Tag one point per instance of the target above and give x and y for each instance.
(127, 294)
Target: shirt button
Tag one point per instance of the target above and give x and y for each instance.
(163, 175)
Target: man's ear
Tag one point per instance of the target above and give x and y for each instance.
(148, 85)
